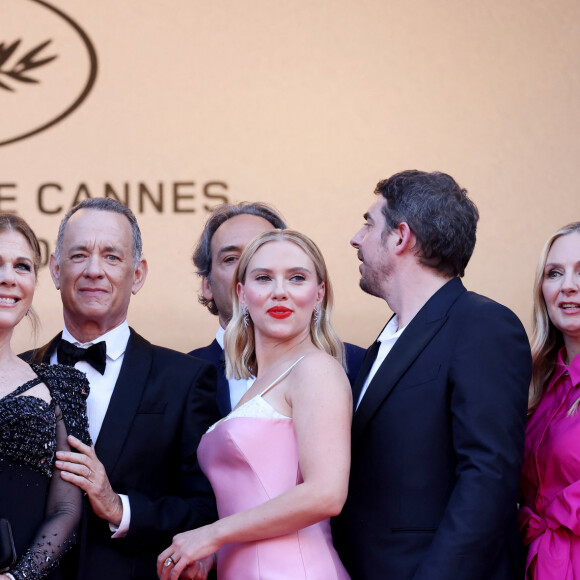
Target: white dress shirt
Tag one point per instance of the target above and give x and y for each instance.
(101, 390)
(387, 338)
(238, 387)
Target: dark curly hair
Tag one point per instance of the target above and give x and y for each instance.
(439, 213)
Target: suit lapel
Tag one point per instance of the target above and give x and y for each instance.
(420, 331)
(365, 367)
(125, 401)
(217, 356)
(223, 386)
(43, 354)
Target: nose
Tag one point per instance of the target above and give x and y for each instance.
(356, 240)
(93, 268)
(570, 282)
(279, 289)
(7, 275)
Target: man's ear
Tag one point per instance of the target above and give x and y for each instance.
(54, 268)
(140, 275)
(206, 288)
(405, 238)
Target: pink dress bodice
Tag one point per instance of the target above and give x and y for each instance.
(249, 457)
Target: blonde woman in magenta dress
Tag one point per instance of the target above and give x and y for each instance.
(550, 482)
(279, 462)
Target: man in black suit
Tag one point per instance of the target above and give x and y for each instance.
(226, 233)
(148, 406)
(438, 430)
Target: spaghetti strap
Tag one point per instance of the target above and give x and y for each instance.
(25, 387)
(275, 382)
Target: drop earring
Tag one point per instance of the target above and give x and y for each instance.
(316, 314)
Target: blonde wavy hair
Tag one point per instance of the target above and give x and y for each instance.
(239, 343)
(546, 339)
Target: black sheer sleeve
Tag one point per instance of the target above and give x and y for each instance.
(59, 528)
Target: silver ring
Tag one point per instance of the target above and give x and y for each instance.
(168, 562)
(90, 473)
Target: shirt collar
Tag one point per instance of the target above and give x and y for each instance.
(391, 331)
(574, 369)
(560, 368)
(116, 340)
(220, 336)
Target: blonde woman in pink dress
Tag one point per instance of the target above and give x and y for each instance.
(279, 462)
(550, 483)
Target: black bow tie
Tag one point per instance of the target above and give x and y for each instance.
(96, 354)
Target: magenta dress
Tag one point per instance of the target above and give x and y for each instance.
(249, 457)
(550, 482)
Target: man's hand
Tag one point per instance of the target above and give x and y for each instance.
(84, 470)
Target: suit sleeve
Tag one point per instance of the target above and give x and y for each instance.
(154, 521)
(488, 386)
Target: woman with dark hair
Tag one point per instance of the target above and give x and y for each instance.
(279, 462)
(550, 483)
(39, 406)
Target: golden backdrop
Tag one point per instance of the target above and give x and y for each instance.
(176, 106)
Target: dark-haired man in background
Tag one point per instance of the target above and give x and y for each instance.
(438, 430)
(229, 229)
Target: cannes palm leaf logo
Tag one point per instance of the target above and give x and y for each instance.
(16, 69)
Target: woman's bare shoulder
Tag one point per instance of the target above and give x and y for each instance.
(318, 364)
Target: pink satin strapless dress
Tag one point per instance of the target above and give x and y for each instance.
(250, 457)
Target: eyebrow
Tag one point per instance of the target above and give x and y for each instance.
(558, 264)
(230, 248)
(294, 269)
(85, 248)
(114, 250)
(78, 247)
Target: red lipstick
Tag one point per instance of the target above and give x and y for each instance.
(279, 312)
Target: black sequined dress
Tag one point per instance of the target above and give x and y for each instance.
(44, 511)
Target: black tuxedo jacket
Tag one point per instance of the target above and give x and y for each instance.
(214, 354)
(437, 445)
(162, 404)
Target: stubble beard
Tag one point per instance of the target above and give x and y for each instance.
(370, 287)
